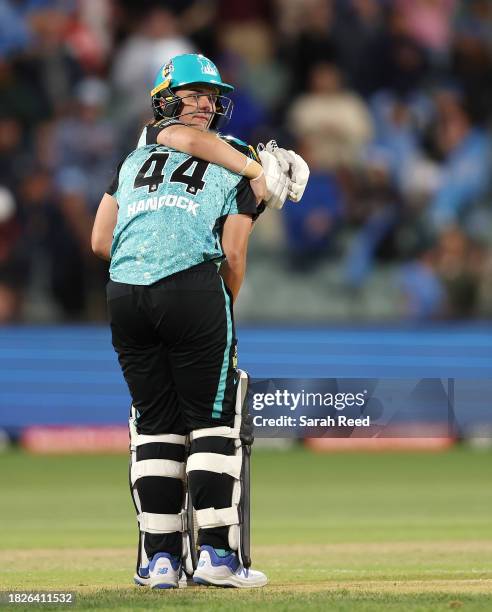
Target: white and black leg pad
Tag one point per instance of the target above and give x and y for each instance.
(157, 474)
(228, 467)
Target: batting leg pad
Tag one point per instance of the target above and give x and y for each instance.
(218, 475)
(157, 475)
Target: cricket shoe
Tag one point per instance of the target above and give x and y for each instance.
(163, 572)
(225, 571)
(142, 578)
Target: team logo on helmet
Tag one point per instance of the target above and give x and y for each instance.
(207, 66)
(167, 69)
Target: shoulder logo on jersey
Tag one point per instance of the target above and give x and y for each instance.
(207, 66)
(166, 122)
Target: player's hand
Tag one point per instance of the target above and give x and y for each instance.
(259, 187)
(277, 182)
(294, 166)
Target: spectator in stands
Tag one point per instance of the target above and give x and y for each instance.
(260, 72)
(18, 79)
(465, 173)
(56, 276)
(429, 22)
(12, 153)
(398, 125)
(404, 62)
(334, 121)
(458, 264)
(249, 114)
(13, 259)
(472, 58)
(444, 282)
(88, 35)
(359, 37)
(137, 60)
(53, 68)
(311, 229)
(310, 40)
(14, 30)
(84, 144)
(375, 210)
(424, 296)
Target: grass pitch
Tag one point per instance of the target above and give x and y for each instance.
(333, 532)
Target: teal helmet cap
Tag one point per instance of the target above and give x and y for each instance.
(187, 69)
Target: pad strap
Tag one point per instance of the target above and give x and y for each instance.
(157, 467)
(219, 432)
(162, 523)
(167, 438)
(137, 439)
(217, 517)
(213, 462)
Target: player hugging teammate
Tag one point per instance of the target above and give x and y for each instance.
(175, 224)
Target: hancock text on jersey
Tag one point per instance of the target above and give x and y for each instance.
(156, 203)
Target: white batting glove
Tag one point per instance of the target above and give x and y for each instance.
(294, 166)
(277, 182)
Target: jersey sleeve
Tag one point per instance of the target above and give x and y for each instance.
(113, 186)
(241, 200)
(150, 132)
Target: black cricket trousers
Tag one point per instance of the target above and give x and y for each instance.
(176, 346)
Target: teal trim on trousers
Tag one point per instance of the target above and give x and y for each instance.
(219, 397)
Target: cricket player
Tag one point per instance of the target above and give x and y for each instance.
(175, 224)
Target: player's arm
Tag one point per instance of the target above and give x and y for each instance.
(235, 236)
(207, 146)
(106, 218)
(268, 181)
(104, 224)
(240, 208)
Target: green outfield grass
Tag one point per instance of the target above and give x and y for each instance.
(342, 532)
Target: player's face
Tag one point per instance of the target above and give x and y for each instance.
(198, 105)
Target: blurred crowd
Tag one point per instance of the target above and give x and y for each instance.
(389, 101)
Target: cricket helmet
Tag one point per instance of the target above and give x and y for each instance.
(186, 70)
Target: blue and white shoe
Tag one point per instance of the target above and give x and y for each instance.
(164, 571)
(142, 577)
(225, 571)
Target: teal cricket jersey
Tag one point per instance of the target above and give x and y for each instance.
(171, 210)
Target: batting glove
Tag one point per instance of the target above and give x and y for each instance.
(278, 183)
(295, 168)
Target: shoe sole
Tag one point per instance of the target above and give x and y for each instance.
(145, 582)
(226, 583)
